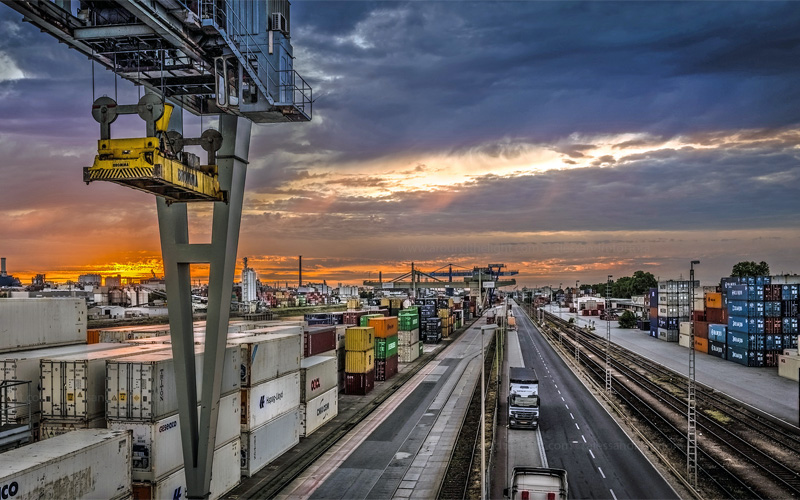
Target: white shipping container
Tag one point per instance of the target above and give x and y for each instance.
(157, 448)
(74, 385)
(143, 387)
(276, 327)
(685, 327)
(51, 428)
(789, 367)
(270, 399)
(225, 475)
(87, 464)
(407, 353)
(266, 443)
(25, 365)
(684, 340)
(340, 333)
(408, 337)
(317, 376)
(319, 411)
(265, 357)
(126, 335)
(26, 323)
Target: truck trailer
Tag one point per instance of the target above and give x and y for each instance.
(537, 483)
(523, 398)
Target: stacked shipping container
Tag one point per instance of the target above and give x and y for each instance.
(359, 369)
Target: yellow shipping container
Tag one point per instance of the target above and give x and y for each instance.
(359, 361)
(443, 313)
(385, 302)
(714, 300)
(384, 327)
(359, 338)
(353, 304)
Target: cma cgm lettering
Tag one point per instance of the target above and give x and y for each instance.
(322, 409)
(9, 490)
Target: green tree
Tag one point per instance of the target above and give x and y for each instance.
(627, 320)
(750, 268)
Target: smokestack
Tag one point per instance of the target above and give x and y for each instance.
(301, 272)
(3, 267)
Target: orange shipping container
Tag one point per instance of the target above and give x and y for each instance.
(384, 327)
(714, 300)
(701, 345)
(92, 336)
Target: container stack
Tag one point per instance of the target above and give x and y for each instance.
(73, 388)
(319, 394)
(408, 343)
(386, 329)
(433, 330)
(673, 307)
(353, 304)
(447, 322)
(718, 340)
(653, 296)
(270, 395)
(359, 377)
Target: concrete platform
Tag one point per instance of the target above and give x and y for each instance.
(758, 387)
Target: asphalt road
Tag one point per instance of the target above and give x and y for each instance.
(580, 436)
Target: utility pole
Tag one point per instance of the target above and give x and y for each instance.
(608, 335)
(691, 438)
(577, 334)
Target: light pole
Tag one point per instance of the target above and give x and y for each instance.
(559, 304)
(608, 335)
(483, 411)
(691, 438)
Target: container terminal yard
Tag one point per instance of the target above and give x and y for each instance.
(450, 383)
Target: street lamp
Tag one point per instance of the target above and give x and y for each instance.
(577, 335)
(483, 411)
(691, 438)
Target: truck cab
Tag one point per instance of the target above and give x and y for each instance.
(523, 398)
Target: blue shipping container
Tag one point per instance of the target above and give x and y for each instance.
(717, 349)
(718, 333)
(755, 292)
(752, 341)
(728, 282)
(745, 308)
(789, 325)
(746, 325)
(653, 330)
(763, 280)
(788, 292)
(745, 357)
(789, 308)
(654, 297)
(736, 292)
(772, 309)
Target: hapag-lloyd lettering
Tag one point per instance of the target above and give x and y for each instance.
(273, 399)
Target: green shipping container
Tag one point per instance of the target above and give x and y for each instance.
(408, 323)
(385, 348)
(364, 321)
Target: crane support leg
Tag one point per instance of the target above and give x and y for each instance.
(198, 435)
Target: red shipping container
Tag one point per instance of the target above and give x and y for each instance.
(385, 368)
(716, 316)
(318, 339)
(698, 316)
(701, 329)
(353, 317)
(772, 326)
(359, 384)
(772, 292)
(653, 312)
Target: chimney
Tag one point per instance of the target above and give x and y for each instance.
(3, 267)
(301, 272)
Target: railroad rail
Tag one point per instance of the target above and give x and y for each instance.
(743, 452)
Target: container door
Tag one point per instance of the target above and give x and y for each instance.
(51, 389)
(114, 382)
(140, 391)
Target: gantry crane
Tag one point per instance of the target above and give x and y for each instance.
(231, 58)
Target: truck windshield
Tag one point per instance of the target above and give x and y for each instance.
(525, 401)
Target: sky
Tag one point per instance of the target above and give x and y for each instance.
(569, 140)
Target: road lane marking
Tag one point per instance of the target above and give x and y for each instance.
(572, 416)
(590, 453)
(567, 406)
(613, 495)
(576, 425)
(583, 437)
(562, 398)
(559, 391)
(601, 472)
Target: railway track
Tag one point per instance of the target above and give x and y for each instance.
(742, 452)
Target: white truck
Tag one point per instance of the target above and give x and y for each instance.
(537, 483)
(523, 398)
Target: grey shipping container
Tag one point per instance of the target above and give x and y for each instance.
(264, 444)
(317, 376)
(88, 464)
(143, 387)
(266, 357)
(50, 428)
(26, 323)
(74, 385)
(25, 365)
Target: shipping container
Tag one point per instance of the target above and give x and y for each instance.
(789, 367)
(653, 294)
(318, 411)
(407, 337)
(408, 353)
(319, 339)
(789, 325)
(745, 357)
(746, 325)
(157, 449)
(717, 349)
(384, 327)
(743, 308)
(263, 402)
(143, 387)
(264, 444)
(772, 308)
(713, 300)
(385, 347)
(265, 357)
(790, 292)
(359, 383)
(668, 335)
(654, 330)
(714, 315)
(85, 464)
(317, 376)
(225, 475)
(685, 328)
(25, 365)
(701, 329)
(385, 368)
(50, 428)
(74, 385)
(701, 345)
(684, 340)
(747, 341)
(46, 322)
(359, 338)
(359, 361)
(718, 333)
(364, 320)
